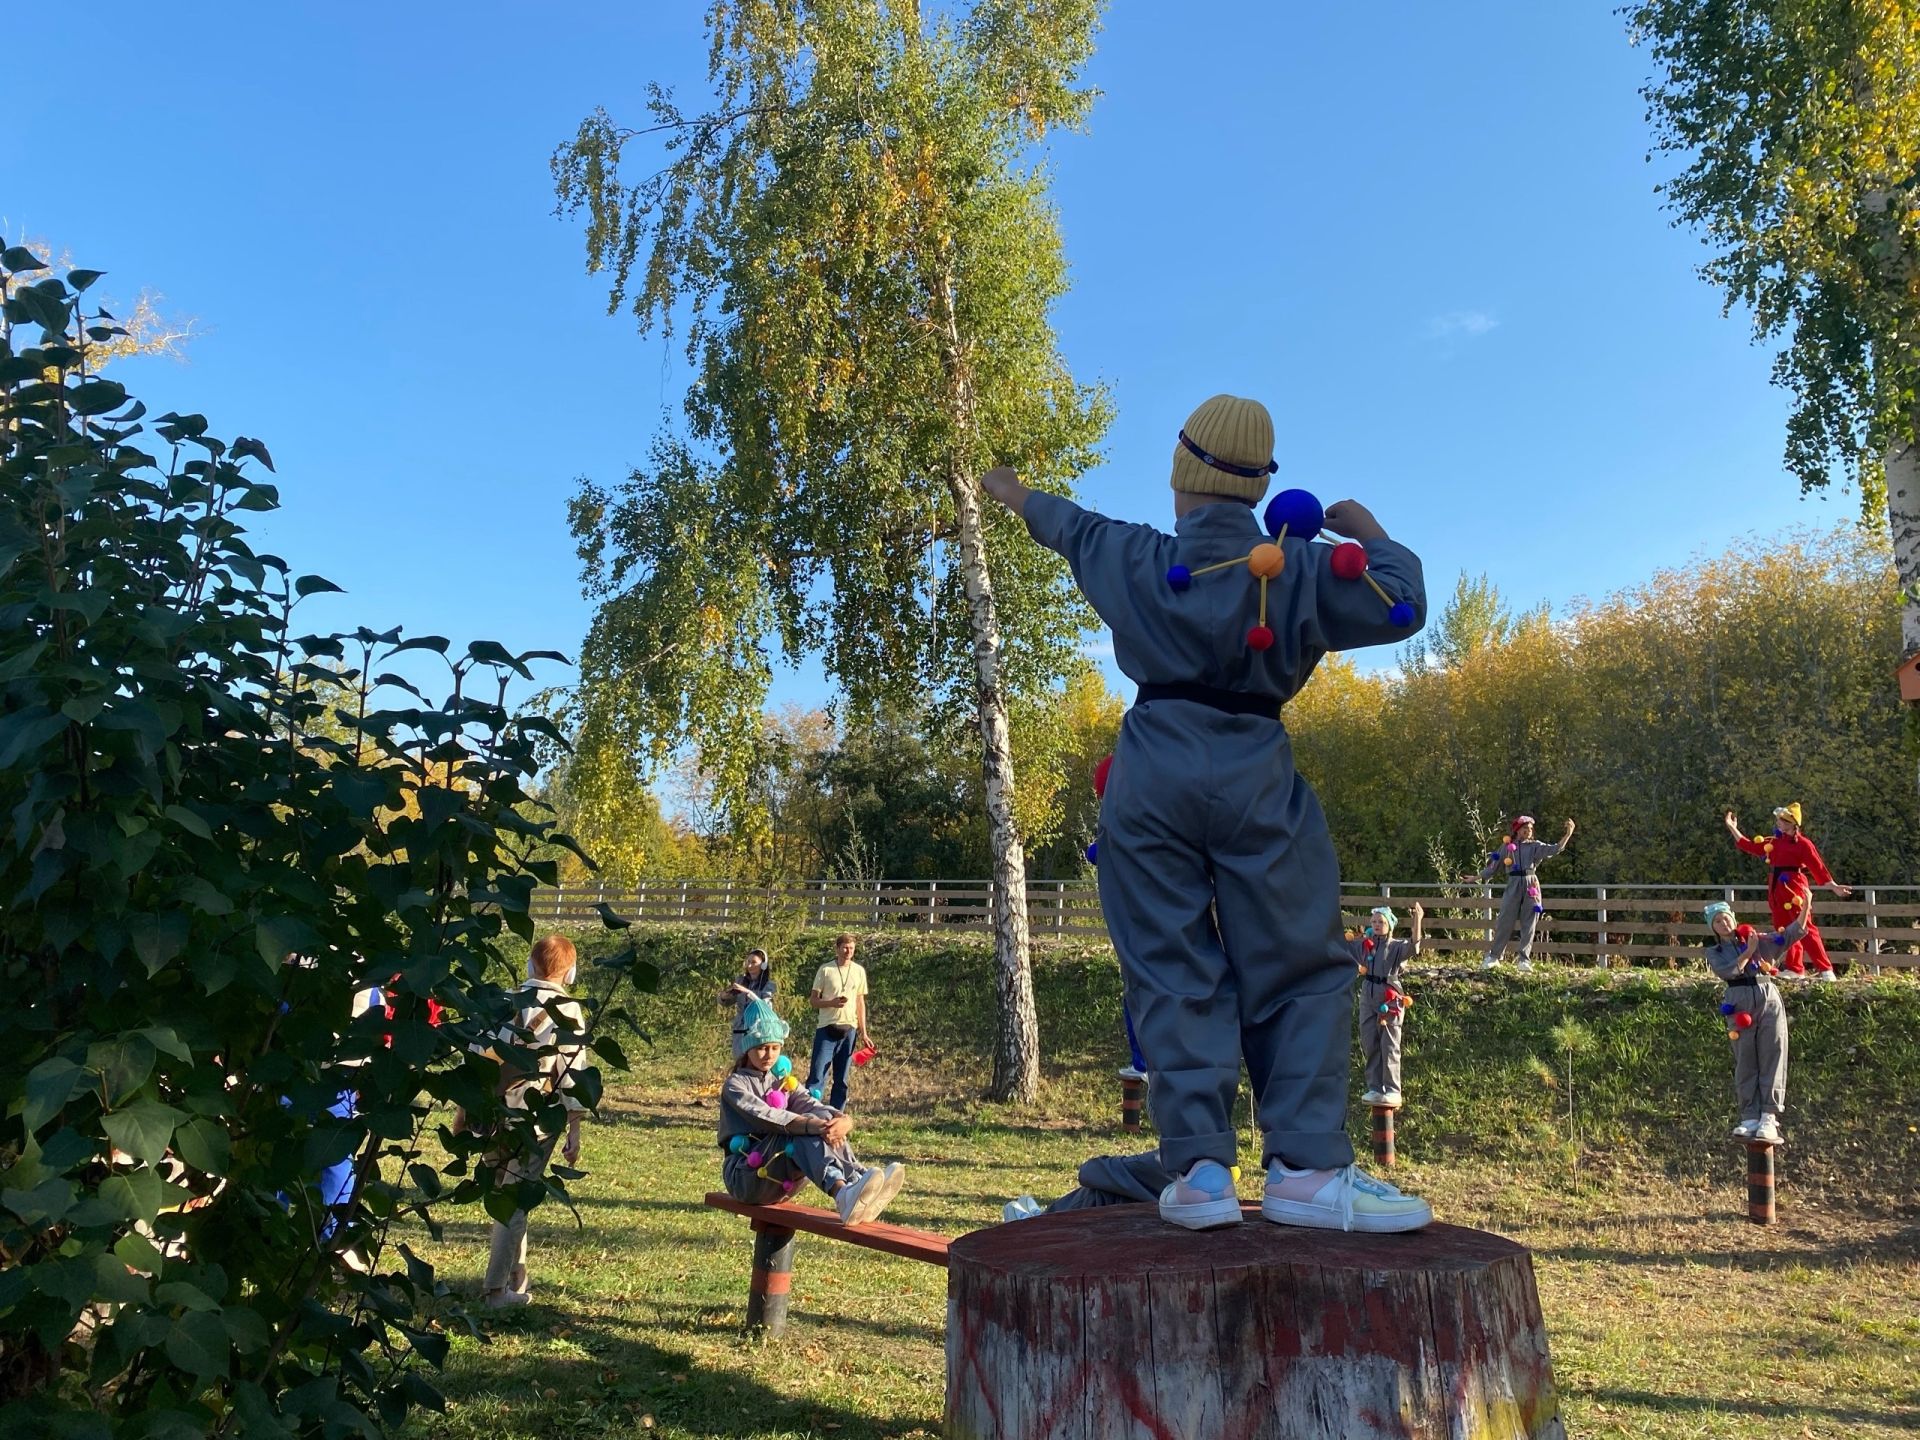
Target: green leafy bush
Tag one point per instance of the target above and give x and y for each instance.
(214, 834)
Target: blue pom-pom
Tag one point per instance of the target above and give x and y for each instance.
(1400, 614)
(1726, 1007)
(1093, 853)
(1298, 511)
(1179, 577)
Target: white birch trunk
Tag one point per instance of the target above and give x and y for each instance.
(1903, 524)
(1016, 1049)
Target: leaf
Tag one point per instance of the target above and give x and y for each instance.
(202, 1143)
(278, 936)
(158, 938)
(427, 1178)
(187, 1296)
(198, 1344)
(608, 1049)
(97, 397)
(82, 280)
(315, 585)
(42, 1205)
(189, 821)
(244, 448)
(49, 1086)
(145, 1130)
(19, 260)
(436, 643)
(609, 919)
(245, 1327)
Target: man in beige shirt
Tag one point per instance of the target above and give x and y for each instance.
(839, 998)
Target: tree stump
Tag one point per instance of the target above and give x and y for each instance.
(1110, 1324)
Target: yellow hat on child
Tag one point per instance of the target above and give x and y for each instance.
(1788, 812)
(1225, 448)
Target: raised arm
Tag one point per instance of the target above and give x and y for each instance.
(1349, 614)
(1752, 847)
(1419, 915)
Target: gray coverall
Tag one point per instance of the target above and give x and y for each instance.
(744, 1111)
(1217, 875)
(1759, 1049)
(1379, 966)
(1116, 1180)
(1520, 905)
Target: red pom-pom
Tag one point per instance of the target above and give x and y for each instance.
(1743, 1020)
(1349, 561)
(1100, 776)
(1260, 638)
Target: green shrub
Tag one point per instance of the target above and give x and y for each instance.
(214, 833)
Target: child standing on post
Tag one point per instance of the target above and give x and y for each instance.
(1755, 1016)
(1383, 1007)
(1520, 906)
(774, 1133)
(1217, 875)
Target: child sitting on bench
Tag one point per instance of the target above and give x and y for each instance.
(775, 1134)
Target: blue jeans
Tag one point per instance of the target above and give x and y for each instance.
(837, 1052)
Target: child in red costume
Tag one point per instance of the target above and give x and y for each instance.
(1797, 867)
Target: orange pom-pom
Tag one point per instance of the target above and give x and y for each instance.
(1259, 638)
(1267, 561)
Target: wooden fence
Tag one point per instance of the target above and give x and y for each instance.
(1582, 923)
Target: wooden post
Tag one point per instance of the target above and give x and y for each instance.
(1600, 931)
(1132, 1094)
(1760, 1208)
(772, 1278)
(1873, 927)
(1110, 1322)
(933, 902)
(1383, 1135)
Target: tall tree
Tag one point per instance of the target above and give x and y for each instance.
(858, 242)
(1800, 121)
(1473, 619)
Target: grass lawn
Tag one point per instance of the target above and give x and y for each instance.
(1670, 1315)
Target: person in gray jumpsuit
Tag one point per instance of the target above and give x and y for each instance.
(1518, 860)
(1217, 875)
(1755, 1016)
(1380, 960)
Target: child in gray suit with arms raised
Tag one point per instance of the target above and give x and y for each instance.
(1217, 874)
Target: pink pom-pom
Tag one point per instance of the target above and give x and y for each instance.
(778, 1099)
(756, 1159)
(1349, 561)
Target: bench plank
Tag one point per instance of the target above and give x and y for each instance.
(888, 1239)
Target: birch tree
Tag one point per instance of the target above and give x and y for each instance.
(1799, 121)
(856, 243)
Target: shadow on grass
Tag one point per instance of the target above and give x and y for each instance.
(1772, 1410)
(802, 1320)
(1899, 1248)
(625, 1376)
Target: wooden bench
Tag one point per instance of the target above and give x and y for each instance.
(774, 1227)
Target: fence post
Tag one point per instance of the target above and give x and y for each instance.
(683, 900)
(1600, 934)
(1386, 891)
(933, 901)
(1873, 924)
(1059, 906)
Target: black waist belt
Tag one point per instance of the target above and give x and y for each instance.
(1743, 980)
(1232, 702)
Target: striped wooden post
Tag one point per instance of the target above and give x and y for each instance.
(1383, 1135)
(1760, 1182)
(772, 1278)
(1133, 1094)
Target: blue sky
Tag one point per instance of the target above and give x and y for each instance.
(1427, 236)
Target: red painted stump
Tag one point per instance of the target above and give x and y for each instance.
(1111, 1325)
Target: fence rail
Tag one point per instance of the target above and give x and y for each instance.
(1590, 923)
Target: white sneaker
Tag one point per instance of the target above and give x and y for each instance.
(1025, 1208)
(861, 1197)
(1372, 1097)
(1202, 1199)
(1768, 1130)
(1127, 1072)
(508, 1299)
(1343, 1199)
(1525, 967)
(1389, 1098)
(1744, 1130)
(1827, 976)
(1489, 964)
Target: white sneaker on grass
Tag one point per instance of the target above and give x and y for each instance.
(1389, 1098)
(1489, 964)
(1827, 976)
(1129, 1072)
(861, 1198)
(508, 1299)
(1343, 1199)
(1768, 1130)
(1202, 1199)
(1744, 1130)
(1372, 1097)
(1025, 1208)
(1525, 967)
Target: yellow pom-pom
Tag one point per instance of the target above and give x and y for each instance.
(1267, 561)
(1235, 1172)
(789, 1084)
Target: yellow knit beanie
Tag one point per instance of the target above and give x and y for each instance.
(1225, 448)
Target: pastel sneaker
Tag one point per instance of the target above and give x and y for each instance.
(1525, 967)
(892, 1178)
(1132, 1072)
(1343, 1199)
(1372, 1097)
(1768, 1130)
(1489, 964)
(1389, 1098)
(1202, 1199)
(1025, 1208)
